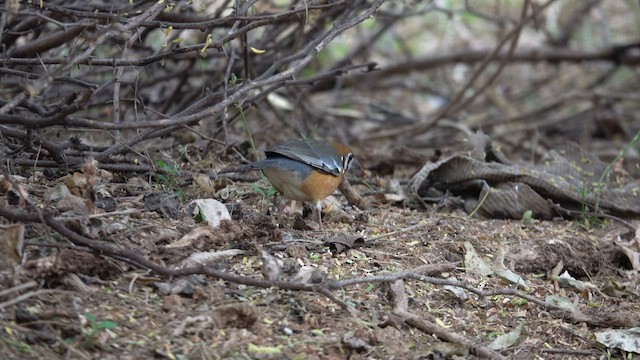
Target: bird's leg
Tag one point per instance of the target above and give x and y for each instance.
(280, 204)
(284, 209)
(319, 212)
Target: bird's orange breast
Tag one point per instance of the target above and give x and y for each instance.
(319, 185)
(314, 187)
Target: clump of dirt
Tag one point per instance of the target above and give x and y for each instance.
(67, 261)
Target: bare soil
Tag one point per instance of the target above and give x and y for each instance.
(93, 306)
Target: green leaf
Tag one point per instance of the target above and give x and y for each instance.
(91, 318)
(105, 324)
(527, 217)
(258, 189)
(257, 349)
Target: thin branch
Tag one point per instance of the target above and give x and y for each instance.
(457, 101)
(135, 258)
(401, 308)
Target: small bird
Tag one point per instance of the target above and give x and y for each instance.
(306, 169)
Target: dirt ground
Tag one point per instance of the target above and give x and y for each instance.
(78, 304)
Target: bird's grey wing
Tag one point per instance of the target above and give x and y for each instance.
(316, 153)
(283, 163)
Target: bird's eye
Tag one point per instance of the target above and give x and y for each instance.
(346, 160)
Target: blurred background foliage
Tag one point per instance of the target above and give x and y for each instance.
(380, 75)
